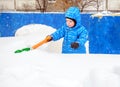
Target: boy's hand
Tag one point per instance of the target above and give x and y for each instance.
(48, 38)
(74, 45)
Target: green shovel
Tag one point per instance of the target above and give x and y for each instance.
(47, 39)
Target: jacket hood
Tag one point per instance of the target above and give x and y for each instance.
(74, 13)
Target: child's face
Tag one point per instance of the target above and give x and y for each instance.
(70, 23)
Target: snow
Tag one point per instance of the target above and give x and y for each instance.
(104, 13)
(45, 67)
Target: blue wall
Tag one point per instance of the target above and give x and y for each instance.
(104, 34)
(9, 22)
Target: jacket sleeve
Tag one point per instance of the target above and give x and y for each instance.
(83, 36)
(58, 33)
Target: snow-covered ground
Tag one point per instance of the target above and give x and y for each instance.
(47, 67)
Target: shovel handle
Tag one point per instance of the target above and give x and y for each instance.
(41, 42)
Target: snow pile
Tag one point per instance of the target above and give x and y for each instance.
(34, 30)
(39, 32)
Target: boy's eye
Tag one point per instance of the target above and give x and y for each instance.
(69, 21)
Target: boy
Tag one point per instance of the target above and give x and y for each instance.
(74, 34)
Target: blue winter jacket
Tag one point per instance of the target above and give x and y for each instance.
(78, 33)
